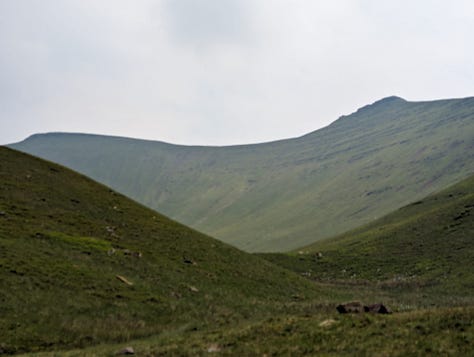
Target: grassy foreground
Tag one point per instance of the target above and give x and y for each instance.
(438, 332)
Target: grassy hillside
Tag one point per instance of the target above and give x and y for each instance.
(427, 245)
(81, 264)
(85, 271)
(286, 194)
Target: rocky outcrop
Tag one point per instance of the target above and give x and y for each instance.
(358, 307)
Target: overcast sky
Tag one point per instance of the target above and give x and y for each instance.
(220, 72)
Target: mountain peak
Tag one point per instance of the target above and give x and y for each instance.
(381, 102)
(392, 98)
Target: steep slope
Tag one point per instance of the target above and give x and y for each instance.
(429, 243)
(282, 195)
(81, 264)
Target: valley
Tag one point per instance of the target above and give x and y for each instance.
(86, 271)
(376, 208)
(282, 195)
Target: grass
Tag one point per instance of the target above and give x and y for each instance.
(282, 195)
(84, 271)
(425, 246)
(81, 264)
(440, 332)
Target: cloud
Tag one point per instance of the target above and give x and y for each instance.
(222, 71)
(208, 22)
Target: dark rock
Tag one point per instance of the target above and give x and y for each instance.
(357, 307)
(137, 254)
(131, 253)
(377, 309)
(189, 261)
(350, 307)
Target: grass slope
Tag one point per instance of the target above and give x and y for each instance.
(427, 245)
(286, 194)
(63, 291)
(71, 274)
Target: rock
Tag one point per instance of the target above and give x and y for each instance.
(137, 254)
(189, 261)
(124, 280)
(213, 348)
(126, 351)
(350, 307)
(327, 323)
(193, 289)
(2, 213)
(357, 307)
(131, 253)
(378, 309)
(111, 251)
(176, 295)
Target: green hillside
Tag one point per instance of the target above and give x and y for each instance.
(283, 195)
(428, 244)
(85, 271)
(81, 264)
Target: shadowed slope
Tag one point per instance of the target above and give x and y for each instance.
(285, 194)
(81, 264)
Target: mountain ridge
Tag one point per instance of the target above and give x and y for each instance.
(385, 100)
(284, 194)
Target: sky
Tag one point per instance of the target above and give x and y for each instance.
(222, 72)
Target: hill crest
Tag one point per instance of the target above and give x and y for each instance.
(285, 194)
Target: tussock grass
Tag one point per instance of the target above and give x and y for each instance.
(439, 332)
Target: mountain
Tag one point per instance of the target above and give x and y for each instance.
(81, 264)
(429, 243)
(286, 194)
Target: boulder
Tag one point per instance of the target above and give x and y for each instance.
(350, 307)
(358, 307)
(377, 309)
